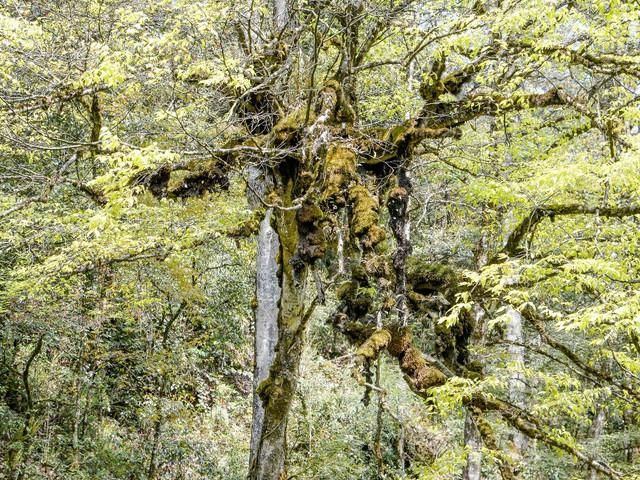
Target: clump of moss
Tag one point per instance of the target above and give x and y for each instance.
(309, 213)
(364, 209)
(286, 127)
(372, 346)
(312, 243)
(346, 290)
(364, 216)
(340, 168)
(273, 199)
(375, 235)
(427, 277)
(421, 375)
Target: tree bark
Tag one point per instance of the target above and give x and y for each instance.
(266, 321)
(473, 442)
(517, 387)
(597, 427)
(280, 14)
(281, 318)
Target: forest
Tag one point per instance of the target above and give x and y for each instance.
(319, 239)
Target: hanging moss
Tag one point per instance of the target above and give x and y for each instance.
(364, 216)
(340, 168)
(364, 210)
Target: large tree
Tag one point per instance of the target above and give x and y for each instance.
(500, 130)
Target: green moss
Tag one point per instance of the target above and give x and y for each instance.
(375, 235)
(309, 213)
(364, 210)
(423, 376)
(292, 122)
(333, 84)
(340, 168)
(427, 276)
(346, 290)
(248, 227)
(364, 216)
(372, 345)
(177, 179)
(397, 134)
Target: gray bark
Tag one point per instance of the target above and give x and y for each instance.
(472, 438)
(597, 427)
(266, 319)
(473, 442)
(280, 14)
(281, 306)
(517, 386)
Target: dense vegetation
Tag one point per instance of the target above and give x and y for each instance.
(319, 239)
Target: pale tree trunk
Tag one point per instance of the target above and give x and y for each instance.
(597, 427)
(280, 329)
(266, 318)
(472, 437)
(517, 386)
(629, 448)
(280, 14)
(473, 442)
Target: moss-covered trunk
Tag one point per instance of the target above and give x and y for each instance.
(275, 392)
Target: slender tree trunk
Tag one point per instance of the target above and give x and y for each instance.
(473, 442)
(517, 387)
(266, 319)
(276, 390)
(629, 447)
(597, 427)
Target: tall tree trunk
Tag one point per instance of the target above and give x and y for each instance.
(280, 14)
(280, 329)
(473, 442)
(597, 427)
(266, 322)
(517, 387)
